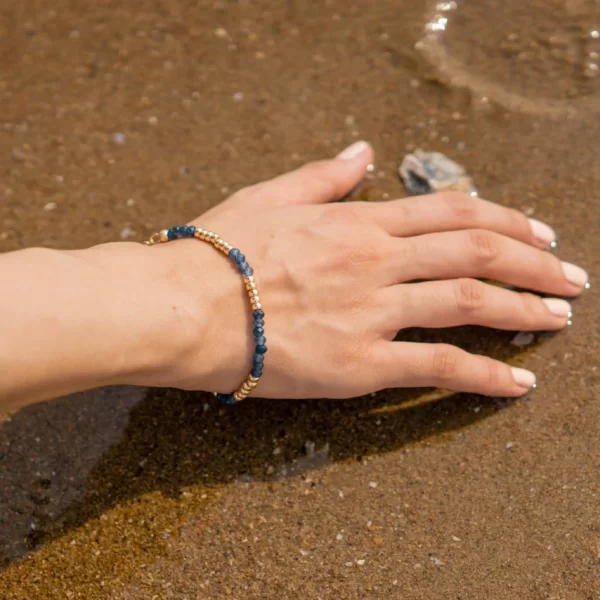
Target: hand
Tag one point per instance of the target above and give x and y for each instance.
(335, 283)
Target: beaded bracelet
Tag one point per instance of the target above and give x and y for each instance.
(189, 231)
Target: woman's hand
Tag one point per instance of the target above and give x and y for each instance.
(337, 283)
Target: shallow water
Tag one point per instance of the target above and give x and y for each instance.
(122, 117)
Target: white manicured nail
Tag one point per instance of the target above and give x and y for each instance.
(542, 232)
(353, 151)
(575, 275)
(558, 307)
(523, 377)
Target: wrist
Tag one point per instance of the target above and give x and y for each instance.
(170, 306)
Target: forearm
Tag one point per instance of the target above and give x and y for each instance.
(112, 314)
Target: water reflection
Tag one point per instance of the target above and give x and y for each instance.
(540, 59)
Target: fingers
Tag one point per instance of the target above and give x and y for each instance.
(403, 364)
(322, 181)
(449, 211)
(480, 253)
(471, 302)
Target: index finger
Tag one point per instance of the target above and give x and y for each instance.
(452, 211)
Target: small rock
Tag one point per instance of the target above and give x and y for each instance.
(339, 537)
(436, 561)
(360, 562)
(126, 233)
(455, 539)
(220, 32)
(373, 484)
(349, 564)
(130, 202)
(309, 448)
(152, 120)
(524, 338)
(510, 445)
(238, 97)
(50, 206)
(304, 552)
(118, 138)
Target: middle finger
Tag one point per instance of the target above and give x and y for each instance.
(481, 253)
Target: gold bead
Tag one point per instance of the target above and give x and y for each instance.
(164, 235)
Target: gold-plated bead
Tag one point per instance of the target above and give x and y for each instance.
(257, 306)
(254, 379)
(163, 235)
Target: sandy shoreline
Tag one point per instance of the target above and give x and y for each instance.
(121, 118)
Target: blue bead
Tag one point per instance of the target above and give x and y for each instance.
(261, 349)
(226, 399)
(258, 314)
(260, 340)
(236, 256)
(189, 231)
(171, 234)
(258, 330)
(256, 371)
(245, 269)
(258, 360)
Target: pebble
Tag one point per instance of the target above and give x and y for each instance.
(436, 561)
(126, 232)
(372, 484)
(50, 206)
(220, 32)
(130, 202)
(524, 338)
(349, 564)
(360, 562)
(152, 120)
(118, 138)
(510, 445)
(455, 539)
(339, 537)
(238, 97)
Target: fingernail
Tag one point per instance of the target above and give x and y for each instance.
(558, 307)
(523, 378)
(353, 151)
(575, 275)
(543, 233)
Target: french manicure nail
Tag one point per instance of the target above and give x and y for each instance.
(558, 307)
(523, 378)
(543, 233)
(353, 151)
(575, 275)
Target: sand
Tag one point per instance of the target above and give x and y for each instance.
(119, 118)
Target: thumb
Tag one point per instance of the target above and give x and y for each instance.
(325, 180)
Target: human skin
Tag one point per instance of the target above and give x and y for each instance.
(337, 281)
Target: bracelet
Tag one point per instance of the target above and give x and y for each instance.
(189, 231)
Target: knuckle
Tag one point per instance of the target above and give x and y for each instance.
(469, 295)
(319, 172)
(517, 221)
(485, 245)
(462, 206)
(444, 362)
(494, 376)
(531, 308)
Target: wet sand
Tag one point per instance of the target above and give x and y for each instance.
(123, 117)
